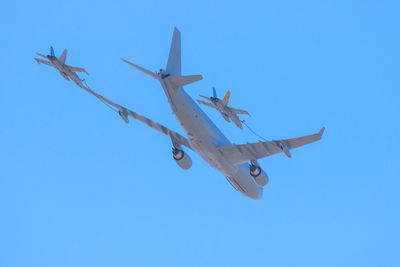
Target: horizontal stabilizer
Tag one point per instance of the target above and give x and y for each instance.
(41, 55)
(179, 81)
(205, 97)
(150, 73)
(38, 60)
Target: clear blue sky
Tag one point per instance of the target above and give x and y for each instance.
(79, 187)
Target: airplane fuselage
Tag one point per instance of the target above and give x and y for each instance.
(205, 137)
(64, 70)
(227, 113)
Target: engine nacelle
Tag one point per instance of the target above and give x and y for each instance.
(183, 160)
(259, 175)
(123, 115)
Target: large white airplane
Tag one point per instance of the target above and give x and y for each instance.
(238, 163)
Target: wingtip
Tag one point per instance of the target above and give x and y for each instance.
(321, 132)
(128, 62)
(176, 29)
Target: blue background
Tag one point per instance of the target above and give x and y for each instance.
(79, 187)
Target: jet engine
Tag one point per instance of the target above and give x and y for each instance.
(183, 160)
(259, 175)
(123, 115)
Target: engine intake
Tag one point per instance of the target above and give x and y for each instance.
(183, 160)
(259, 175)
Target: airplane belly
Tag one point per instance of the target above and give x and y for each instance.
(211, 155)
(75, 78)
(205, 137)
(193, 119)
(64, 75)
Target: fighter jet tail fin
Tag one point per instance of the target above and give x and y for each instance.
(63, 56)
(226, 98)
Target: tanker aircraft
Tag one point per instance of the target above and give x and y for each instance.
(227, 112)
(64, 69)
(238, 163)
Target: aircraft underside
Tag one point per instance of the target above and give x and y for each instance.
(238, 163)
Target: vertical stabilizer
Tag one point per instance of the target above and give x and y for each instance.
(63, 56)
(226, 98)
(174, 58)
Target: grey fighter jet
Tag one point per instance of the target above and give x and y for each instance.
(222, 106)
(65, 70)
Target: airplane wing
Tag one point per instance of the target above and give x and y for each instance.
(205, 103)
(38, 60)
(237, 154)
(238, 111)
(77, 69)
(176, 138)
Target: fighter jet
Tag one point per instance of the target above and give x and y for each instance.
(59, 64)
(222, 106)
(238, 163)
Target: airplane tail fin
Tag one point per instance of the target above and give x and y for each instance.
(63, 56)
(174, 57)
(52, 51)
(214, 93)
(226, 98)
(173, 65)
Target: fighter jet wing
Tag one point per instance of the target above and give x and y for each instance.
(238, 111)
(77, 69)
(38, 60)
(176, 138)
(205, 103)
(237, 154)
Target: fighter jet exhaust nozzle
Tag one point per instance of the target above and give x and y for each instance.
(181, 158)
(259, 175)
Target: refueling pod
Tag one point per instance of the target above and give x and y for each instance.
(259, 175)
(123, 115)
(181, 158)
